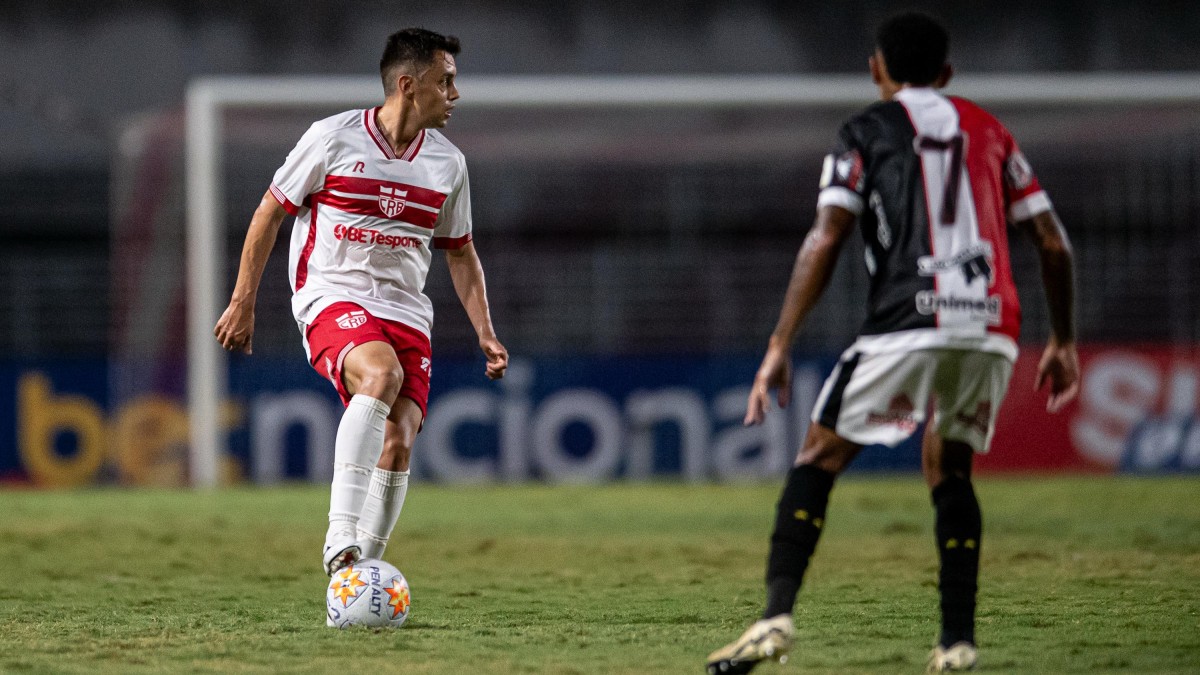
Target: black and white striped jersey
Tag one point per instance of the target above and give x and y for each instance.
(934, 180)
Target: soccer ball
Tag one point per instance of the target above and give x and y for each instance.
(367, 593)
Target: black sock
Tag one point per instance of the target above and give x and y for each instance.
(799, 518)
(959, 527)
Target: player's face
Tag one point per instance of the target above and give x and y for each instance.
(435, 93)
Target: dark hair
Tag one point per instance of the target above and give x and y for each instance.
(412, 47)
(914, 47)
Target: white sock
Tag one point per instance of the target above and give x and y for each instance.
(385, 498)
(355, 452)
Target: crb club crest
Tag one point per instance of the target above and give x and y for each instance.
(392, 200)
(351, 320)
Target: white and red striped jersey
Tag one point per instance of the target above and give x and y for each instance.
(934, 181)
(366, 218)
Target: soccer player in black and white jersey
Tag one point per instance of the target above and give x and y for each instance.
(373, 191)
(931, 181)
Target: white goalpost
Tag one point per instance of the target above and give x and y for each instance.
(208, 99)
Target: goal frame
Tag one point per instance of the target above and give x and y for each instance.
(209, 98)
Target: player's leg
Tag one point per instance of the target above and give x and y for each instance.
(371, 376)
(958, 529)
(389, 480)
(800, 514)
(868, 398)
(970, 387)
(799, 518)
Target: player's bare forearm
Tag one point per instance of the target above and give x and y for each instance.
(813, 269)
(260, 239)
(466, 272)
(810, 275)
(235, 328)
(1059, 365)
(1058, 272)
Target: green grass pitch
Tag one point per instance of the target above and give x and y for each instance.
(1080, 575)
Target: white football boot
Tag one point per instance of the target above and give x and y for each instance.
(341, 548)
(767, 640)
(958, 656)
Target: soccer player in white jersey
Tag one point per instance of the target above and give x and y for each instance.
(372, 192)
(931, 181)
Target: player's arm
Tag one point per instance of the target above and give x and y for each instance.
(810, 275)
(235, 328)
(467, 273)
(1060, 362)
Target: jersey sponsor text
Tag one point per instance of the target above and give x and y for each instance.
(977, 309)
(363, 235)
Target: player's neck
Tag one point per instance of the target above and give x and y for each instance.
(888, 90)
(397, 127)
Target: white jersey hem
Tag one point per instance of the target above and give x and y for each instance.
(933, 338)
(309, 313)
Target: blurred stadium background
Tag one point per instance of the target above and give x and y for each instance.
(636, 258)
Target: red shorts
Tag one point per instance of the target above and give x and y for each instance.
(343, 326)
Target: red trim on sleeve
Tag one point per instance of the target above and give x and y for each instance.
(452, 242)
(286, 203)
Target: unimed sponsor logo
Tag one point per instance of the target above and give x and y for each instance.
(982, 309)
(363, 235)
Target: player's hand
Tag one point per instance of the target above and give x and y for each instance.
(497, 357)
(774, 373)
(1059, 367)
(235, 328)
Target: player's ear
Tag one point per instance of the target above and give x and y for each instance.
(876, 65)
(405, 84)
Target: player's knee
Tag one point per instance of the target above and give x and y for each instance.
(827, 451)
(397, 453)
(947, 459)
(381, 380)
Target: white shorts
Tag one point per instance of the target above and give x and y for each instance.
(881, 398)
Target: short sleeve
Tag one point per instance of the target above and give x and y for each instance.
(1022, 193)
(302, 173)
(453, 227)
(843, 176)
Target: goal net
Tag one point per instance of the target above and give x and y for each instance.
(640, 216)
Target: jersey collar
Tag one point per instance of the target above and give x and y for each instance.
(409, 154)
